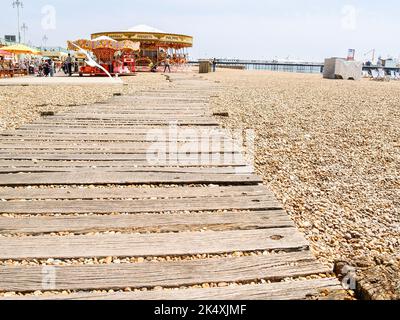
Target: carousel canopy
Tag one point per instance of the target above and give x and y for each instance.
(104, 38)
(144, 28)
(103, 43)
(149, 37)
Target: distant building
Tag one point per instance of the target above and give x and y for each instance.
(388, 63)
(58, 53)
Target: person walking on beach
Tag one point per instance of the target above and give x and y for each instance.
(167, 64)
(68, 64)
(214, 64)
(51, 65)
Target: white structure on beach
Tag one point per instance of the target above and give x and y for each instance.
(339, 68)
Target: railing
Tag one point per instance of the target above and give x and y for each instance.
(301, 67)
(286, 66)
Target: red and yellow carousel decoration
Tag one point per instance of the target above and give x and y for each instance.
(155, 46)
(117, 57)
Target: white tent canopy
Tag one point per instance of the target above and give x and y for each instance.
(104, 38)
(144, 28)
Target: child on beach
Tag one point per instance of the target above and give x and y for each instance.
(167, 64)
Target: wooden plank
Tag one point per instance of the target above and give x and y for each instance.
(116, 146)
(133, 193)
(165, 274)
(298, 290)
(141, 205)
(163, 100)
(212, 162)
(137, 112)
(202, 132)
(183, 170)
(126, 117)
(190, 149)
(106, 139)
(101, 178)
(116, 105)
(138, 148)
(140, 137)
(179, 122)
(151, 158)
(146, 222)
(116, 123)
(139, 245)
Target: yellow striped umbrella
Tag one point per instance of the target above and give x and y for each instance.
(20, 49)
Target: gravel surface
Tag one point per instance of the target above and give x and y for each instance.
(20, 105)
(330, 150)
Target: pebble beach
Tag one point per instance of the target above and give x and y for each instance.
(329, 150)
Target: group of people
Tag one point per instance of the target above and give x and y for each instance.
(31, 66)
(39, 66)
(47, 68)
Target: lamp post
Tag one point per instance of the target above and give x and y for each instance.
(45, 41)
(24, 28)
(19, 5)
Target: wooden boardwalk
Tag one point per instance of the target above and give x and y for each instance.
(144, 197)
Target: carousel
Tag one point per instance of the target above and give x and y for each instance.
(155, 46)
(116, 57)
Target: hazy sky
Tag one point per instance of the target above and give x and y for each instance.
(254, 29)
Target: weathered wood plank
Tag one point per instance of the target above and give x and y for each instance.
(165, 274)
(142, 205)
(191, 149)
(101, 137)
(133, 193)
(138, 147)
(183, 170)
(53, 178)
(212, 162)
(196, 132)
(27, 145)
(139, 245)
(298, 290)
(147, 222)
(126, 117)
(179, 122)
(136, 112)
(150, 157)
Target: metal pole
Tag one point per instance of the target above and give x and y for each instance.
(24, 28)
(19, 30)
(18, 4)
